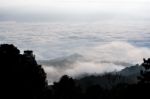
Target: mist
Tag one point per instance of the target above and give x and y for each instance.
(98, 60)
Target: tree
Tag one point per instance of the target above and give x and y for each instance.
(66, 88)
(95, 92)
(145, 74)
(21, 76)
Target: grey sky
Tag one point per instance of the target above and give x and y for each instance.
(44, 10)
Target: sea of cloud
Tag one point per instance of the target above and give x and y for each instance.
(109, 57)
(80, 48)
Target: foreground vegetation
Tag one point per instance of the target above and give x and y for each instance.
(23, 78)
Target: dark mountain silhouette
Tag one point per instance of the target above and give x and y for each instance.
(23, 78)
(132, 70)
(127, 75)
(106, 81)
(61, 62)
(110, 86)
(131, 73)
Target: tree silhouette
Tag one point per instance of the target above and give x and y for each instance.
(21, 76)
(94, 92)
(66, 88)
(145, 74)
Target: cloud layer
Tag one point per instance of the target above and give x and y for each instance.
(110, 57)
(80, 48)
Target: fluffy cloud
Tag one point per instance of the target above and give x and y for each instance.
(110, 57)
(78, 48)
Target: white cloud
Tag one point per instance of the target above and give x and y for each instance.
(94, 47)
(97, 60)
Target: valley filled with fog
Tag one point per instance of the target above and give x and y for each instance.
(77, 48)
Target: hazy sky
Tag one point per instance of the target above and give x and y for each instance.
(73, 9)
(46, 2)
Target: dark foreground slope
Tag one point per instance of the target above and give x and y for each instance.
(23, 78)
